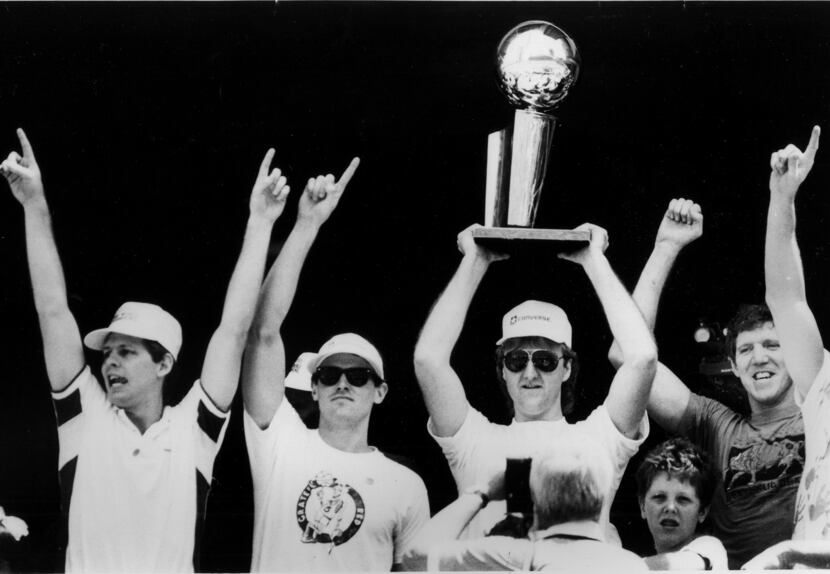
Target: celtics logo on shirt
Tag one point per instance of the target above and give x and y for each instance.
(329, 511)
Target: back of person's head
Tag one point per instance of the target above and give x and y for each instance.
(570, 482)
(748, 318)
(678, 458)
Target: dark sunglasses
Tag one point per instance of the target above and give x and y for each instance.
(357, 376)
(544, 361)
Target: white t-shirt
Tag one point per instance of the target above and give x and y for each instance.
(317, 508)
(479, 446)
(711, 549)
(135, 500)
(812, 507)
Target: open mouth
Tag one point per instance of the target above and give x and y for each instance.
(115, 381)
(669, 523)
(762, 376)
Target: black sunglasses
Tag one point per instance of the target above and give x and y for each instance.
(328, 376)
(544, 361)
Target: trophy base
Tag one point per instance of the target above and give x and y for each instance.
(512, 239)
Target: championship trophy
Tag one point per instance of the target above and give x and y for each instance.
(537, 63)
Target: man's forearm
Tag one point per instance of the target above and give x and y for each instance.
(624, 319)
(48, 282)
(280, 285)
(444, 527)
(652, 280)
(649, 289)
(243, 287)
(446, 319)
(783, 272)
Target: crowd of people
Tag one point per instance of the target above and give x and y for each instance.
(729, 491)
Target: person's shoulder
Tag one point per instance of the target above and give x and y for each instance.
(404, 466)
(623, 560)
(708, 406)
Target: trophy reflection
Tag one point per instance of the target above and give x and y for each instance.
(537, 64)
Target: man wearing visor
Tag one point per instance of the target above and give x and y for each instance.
(324, 499)
(535, 363)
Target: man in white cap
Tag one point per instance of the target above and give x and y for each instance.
(534, 361)
(134, 472)
(324, 499)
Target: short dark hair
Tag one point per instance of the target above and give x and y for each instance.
(568, 393)
(157, 353)
(682, 460)
(748, 318)
(156, 350)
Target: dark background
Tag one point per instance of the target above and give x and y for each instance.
(149, 121)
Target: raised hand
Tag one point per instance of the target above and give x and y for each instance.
(270, 190)
(322, 194)
(596, 247)
(682, 224)
(790, 166)
(467, 246)
(22, 172)
(13, 525)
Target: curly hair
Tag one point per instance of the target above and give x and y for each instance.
(682, 460)
(568, 393)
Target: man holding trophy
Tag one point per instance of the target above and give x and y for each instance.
(534, 356)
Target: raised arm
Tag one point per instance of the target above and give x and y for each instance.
(786, 295)
(263, 371)
(220, 370)
(442, 389)
(628, 395)
(62, 347)
(681, 224)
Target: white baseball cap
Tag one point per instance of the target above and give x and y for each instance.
(142, 320)
(536, 319)
(351, 344)
(299, 377)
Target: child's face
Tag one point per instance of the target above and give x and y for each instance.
(672, 510)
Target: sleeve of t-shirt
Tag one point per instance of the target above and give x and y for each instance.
(413, 518)
(820, 389)
(460, 449)
(478, 554)
(262, 444)
(621, 448)
(705, 421)
(211, 424)
(711, 549)
(81, 399)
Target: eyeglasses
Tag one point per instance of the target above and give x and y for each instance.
(328, 376)
(544, 361)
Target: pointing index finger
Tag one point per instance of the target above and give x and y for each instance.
(28, 152)
(812, 147)
(266, 162)
(347, 175)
